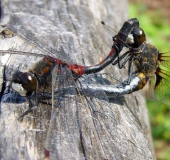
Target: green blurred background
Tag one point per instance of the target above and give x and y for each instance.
(154, 18)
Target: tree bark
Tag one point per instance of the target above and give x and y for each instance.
(72, 131)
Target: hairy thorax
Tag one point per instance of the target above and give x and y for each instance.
(146, 59)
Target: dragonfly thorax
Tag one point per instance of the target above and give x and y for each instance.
(146, 59)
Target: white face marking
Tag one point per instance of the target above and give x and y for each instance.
(140, 32)
(29, 78)
(18, 88)
(130, 39)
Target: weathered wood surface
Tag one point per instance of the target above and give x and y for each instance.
(72, 131)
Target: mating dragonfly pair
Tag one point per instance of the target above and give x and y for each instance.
(146, 66)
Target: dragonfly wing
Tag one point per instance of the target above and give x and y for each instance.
(33, 29)
(162, 91)
(162, 85)
(77, 120)
(12, 61)
(158, 86)
(85, 119)
(164, 59)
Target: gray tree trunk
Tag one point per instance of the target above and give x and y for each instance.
(72, 131)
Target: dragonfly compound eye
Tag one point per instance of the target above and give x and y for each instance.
(24, 83)
(139, 36)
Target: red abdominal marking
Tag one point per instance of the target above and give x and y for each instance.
(59, 62)
(77, 69)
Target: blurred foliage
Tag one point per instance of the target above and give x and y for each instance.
(157, 29)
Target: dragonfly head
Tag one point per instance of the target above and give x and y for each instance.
(138, 36)
(24, 83)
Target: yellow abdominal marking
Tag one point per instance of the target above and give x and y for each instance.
(143, 81)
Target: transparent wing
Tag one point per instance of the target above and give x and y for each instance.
(158, 87)
(159, 93)
(162, 85)
(79, 118)
(33, 30)
(162, 91)
(164, 59)
(83, 119)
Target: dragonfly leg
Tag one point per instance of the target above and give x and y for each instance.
(130, 70)
(31, 107)
(117, 61)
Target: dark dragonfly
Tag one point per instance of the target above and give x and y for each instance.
(77, 113)
(29, 83)
(147, 67)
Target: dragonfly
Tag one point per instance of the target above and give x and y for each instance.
(28, 83)
(147, 67)
(64, 85)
